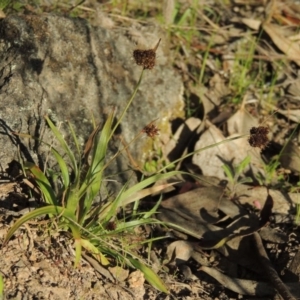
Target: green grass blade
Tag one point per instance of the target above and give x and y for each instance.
(74, 139)
(133, 194)
(42, 182)
(1, 288)
(63, 144)
(78, 250)
(200, 150)
(93, 180)
(63, 168)
(128, 104)
(243, 164)
(127, 196)
(153, 210)
(150, 276)
(133, 224)
(109, 211)
(51, 209)
(228, 173)
(101, 146)
(95, 252)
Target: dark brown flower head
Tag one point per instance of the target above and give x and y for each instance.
(111, 226)
(259, 137)
(151, 130)
(146, 58)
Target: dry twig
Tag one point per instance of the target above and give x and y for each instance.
(270, 271)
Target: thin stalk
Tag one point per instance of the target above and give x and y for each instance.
(128, 104)
(202, 149)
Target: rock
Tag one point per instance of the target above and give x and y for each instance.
(71, 70)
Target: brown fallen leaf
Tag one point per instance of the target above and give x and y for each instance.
(291, 114)
(241, 120)
(176, 146)
(283, 203)
(266, 212)
(241, 286)
(290, 157)
(243, 226)
(6, 188)
(202, 204)
(179, 251)
(251, 23)
(288, 47)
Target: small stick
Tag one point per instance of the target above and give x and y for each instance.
(155, 48)
(270, 271)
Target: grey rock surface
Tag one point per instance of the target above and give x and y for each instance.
(71, 70)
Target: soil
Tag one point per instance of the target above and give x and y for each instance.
(38, 263)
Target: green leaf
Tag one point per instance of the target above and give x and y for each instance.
(93, 180)
(77, 252)
(228, 172)
(153, 210)
(64, 145)
(128, 103)
(3, 4)
(150, 276)
(50, 209)
(150, 166)
(1, 287)
(97, 163)
(42, 182)
(243, 164)
(95, 252)
(54, 210)
(245, 180)
(63, 168)
(74, 138)
(109, 211)
(129, 195)
(184, 19)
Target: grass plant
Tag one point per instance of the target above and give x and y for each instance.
(234, 173)
(94, 225)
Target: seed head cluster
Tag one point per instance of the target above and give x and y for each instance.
(151, 130)
(259, 137)
(146, 58)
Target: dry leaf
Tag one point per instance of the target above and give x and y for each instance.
(176, 146)
(241, 122)
(241, 286)
(283, 203)
(290, 157)
(203, 204)
(251, 23)
(243, 226)
(6, 188)
(290, 48)
(211, 160)
(179, 251)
